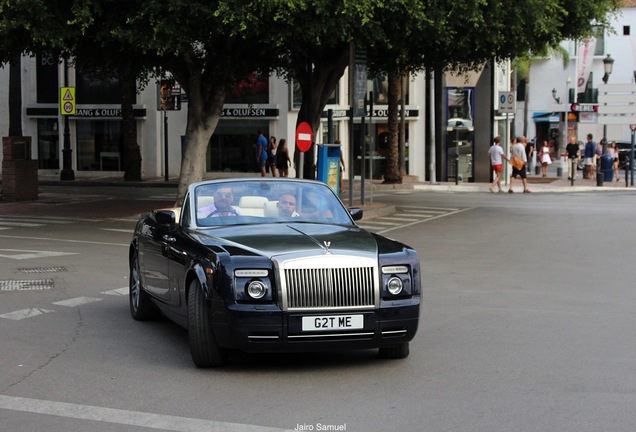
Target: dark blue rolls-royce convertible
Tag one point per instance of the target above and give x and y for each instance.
(273, 265)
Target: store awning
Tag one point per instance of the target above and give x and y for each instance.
(546, 117)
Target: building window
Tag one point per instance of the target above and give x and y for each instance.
(47, 79)
(626, 30)
(296, 95)
(95, 89)
(253, 90)
(599, 50)
(379, 85)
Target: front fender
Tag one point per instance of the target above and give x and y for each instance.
(207, 283)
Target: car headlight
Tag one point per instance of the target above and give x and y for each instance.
(256, 290)
(396, 281)
(252, 285)
(395, 285)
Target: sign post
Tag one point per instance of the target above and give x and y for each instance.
(616, 106)
(304, 138)
(507, 105)
(67, 108)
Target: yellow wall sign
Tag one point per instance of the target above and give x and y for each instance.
(67, 100)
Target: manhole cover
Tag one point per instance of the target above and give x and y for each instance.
(26, 285)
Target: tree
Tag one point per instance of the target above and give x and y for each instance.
(199, 43)
(313, 42)
(465, 34)
(523, 67)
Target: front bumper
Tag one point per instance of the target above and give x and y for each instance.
(265, 328)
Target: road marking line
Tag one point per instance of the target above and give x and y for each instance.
(65, 240)
(117, 292)
(20, 224)
(29, 254)
(25, 313)
(425, 220)
(129, 231)
(77, 301)
(125, 417)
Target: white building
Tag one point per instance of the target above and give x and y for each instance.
(552, 88)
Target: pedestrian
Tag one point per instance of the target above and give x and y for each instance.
(496, 155)
(574, 154)
(598, 153)
(612, 150)
(519, 168)
(530, 150)
(544, 157)
(282, 158)
(589, 165)
(261, 152)
(271, 155)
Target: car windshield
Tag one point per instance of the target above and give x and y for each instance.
(266, 201)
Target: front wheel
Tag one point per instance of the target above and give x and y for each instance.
(203, 346)
(399, 351)
(141, 307)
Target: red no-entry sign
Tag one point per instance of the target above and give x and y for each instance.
(304, 136)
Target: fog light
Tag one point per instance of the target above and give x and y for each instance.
(395, 285)
(256, 290)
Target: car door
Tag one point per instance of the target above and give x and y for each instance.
(154, 259)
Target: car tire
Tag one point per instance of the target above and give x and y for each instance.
(399, 351)
(141, 306)
(203, 346)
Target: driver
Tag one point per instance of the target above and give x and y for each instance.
(222, 205)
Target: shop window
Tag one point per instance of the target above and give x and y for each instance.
(99, 145)
(231, 148)
(48, 144)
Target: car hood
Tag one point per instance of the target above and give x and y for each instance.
(289, 238)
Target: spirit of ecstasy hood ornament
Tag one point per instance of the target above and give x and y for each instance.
(326, 248)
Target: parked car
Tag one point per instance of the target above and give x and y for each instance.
(273, 265)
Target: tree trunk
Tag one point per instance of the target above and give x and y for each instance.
(317, 82)
(15, 96)
(203, 118)
(392, 172)
(132, 153)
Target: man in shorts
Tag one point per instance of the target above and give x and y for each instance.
(589, 167)
(519, 150)
(496, 160)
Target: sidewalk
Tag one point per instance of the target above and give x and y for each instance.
(86, 197)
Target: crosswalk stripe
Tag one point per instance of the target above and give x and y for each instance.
(77, 301)
(25, 313)
(117, 292)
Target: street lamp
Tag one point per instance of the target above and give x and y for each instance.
(608, 64)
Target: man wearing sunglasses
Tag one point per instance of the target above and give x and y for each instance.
(222, 205)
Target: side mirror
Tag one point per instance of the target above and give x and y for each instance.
(165, 218)
(356, 213)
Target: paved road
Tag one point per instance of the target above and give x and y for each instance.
(526, 325)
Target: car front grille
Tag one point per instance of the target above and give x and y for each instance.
(329, 283)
